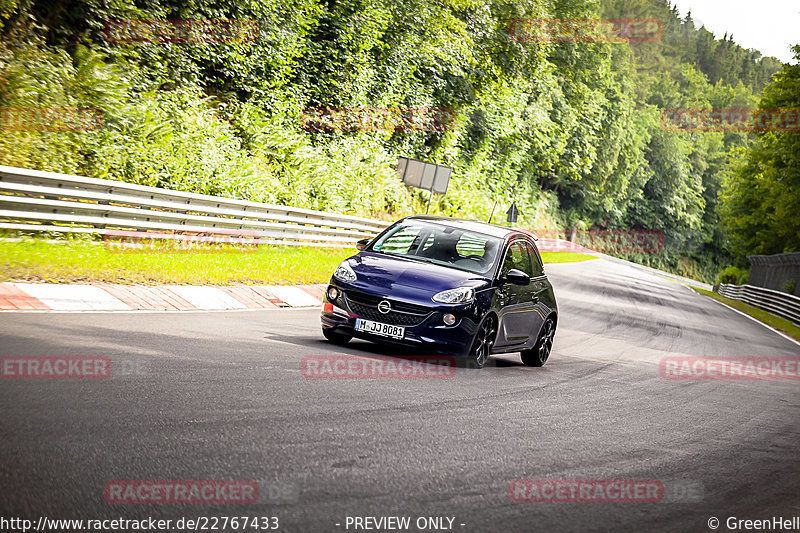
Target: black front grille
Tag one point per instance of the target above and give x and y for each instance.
(402, 314)
(373, 301)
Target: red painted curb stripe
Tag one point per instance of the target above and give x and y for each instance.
(13, 298)
(269, 296)
(147, 298)
(174, 299)
(250, 297)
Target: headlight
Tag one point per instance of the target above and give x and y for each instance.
(455, 296)
(344, 273)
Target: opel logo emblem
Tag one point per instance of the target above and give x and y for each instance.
(384, 307)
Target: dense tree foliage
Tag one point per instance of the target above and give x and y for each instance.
(571, 131)
(762, 199)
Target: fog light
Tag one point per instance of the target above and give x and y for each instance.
(449, 319)
(333, 293)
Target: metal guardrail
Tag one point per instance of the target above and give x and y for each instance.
(776, 271)
(33, 200)
(778, 303)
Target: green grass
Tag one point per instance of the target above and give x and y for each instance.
(76, 262)
(565, 257)
(83, 261)
(781, 324)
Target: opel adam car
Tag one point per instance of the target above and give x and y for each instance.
(445, 286)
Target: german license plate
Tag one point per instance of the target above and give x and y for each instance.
(377, 328)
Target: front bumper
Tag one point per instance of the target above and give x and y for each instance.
(424, 334)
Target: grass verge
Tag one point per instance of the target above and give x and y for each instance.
(83, 261)
(781, 324)
(565, 257)
(73, 261)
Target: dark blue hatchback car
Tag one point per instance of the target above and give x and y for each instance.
(445, 286)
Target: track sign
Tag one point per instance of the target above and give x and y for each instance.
(423, 175)
(512, 214)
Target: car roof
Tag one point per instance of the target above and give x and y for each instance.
(472, 225)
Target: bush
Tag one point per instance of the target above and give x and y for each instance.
(733, 276)
(790, 286)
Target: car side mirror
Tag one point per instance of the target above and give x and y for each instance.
(517, 277)
(362, 244)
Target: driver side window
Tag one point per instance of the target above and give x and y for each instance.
(517, 257)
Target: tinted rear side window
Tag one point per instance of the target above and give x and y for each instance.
(536, 260)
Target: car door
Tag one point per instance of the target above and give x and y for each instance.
(518, 310)
(537, 292)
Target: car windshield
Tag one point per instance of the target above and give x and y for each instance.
(441, 245)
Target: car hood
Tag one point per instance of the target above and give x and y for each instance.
(385, 273)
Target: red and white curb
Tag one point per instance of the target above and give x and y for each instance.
(110, 297)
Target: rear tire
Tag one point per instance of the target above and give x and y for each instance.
(538, 355)
(335, 337)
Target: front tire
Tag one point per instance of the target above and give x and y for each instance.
(483, 343)
(538, 355)
(335, 337)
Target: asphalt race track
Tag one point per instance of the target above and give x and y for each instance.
(220, 396)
